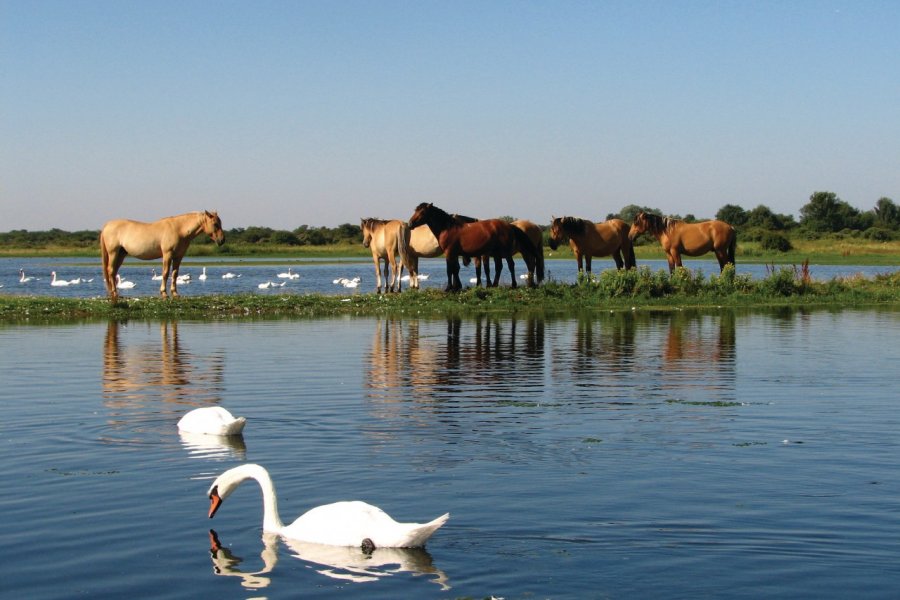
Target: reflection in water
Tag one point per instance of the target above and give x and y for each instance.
(203, 445)
(344, 563)
(137, 375)
(605, 359)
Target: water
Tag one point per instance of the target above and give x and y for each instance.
(315, 276)
(678, 455)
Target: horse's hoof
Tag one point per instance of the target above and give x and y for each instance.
(367, 546)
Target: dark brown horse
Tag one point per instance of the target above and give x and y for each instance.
(692, 239)
(588, 239)
(490, 237)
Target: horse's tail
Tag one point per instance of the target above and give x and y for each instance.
(104, 261)
(732, 247)
(404, 249)
(529, 252)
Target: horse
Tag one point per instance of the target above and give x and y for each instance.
(692, 239)
(588, 239)
(536, 236)
(422, 243)
(387, 239)
(490, 237)
(168, 238)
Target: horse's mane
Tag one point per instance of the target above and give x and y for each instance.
(656, 223)
(371, 222)
(463, 218)
(572, 224)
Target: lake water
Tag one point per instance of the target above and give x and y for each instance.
(314, 276)
(738, 454)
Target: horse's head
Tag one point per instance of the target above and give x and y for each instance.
(556, 233)
(421, 214)
(366, 226)
(642, 222)
(212, 226)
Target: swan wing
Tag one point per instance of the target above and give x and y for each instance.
(212, 420)
(349, 523)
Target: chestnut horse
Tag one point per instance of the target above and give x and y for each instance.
(692, 239)
(490, 237)
(168, 238)
(387, 239)
(422, 243)
(588, 239)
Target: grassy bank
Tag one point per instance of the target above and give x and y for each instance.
(640, 289)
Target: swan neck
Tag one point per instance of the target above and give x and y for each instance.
(271, 520)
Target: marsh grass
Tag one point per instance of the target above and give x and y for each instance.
(635, 289)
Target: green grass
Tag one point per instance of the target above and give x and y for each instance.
(638, 289)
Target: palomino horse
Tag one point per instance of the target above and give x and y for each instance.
(491, 237)
(387, 239)
(168, 238)
(693, 239)
(588, 239)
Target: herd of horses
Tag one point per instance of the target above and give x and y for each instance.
(432, 232)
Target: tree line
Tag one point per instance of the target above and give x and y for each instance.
(824, 214)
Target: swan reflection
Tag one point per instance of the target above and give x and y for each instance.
(348, 563)
(203, 445)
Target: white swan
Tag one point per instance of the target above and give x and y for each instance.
(203, 275)
(123, 284)
(23, 278)
(211, 420)
(229, 275)
(58, 282)
(422, 276)
(338, 524)
(270, 284)
(155, 276)
(186, 278)
(289, 275)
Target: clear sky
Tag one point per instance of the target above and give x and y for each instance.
(281, 114)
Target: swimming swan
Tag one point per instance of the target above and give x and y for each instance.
(123, 284)
(203, 275)
(289, 275)
(212, 420)
(58, 282)
(338, 524)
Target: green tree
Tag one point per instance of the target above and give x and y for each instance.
(887, 214)
(732, 214)
(825, 212)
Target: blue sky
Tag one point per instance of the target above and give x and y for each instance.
(281, 114)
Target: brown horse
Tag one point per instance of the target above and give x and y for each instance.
(168, 238)
(692, 239)
(588, 239)
(536, 236)
(387, 239)
(422, 243)
(491, 237)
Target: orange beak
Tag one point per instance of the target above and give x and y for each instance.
(214, 503)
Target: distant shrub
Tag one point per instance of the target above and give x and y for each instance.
(879, 234)
(775, 241)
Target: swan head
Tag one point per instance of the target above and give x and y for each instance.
(228, 481)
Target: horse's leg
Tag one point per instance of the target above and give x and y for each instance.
(167, 270)
(487, 281)
(395, 278)
(413, 269)
(385, 278)
(450, 261)
(722, 257)
(377, 262)
(114, 266)
(587, 262)
(498, 266)
(579, 258)
(176, 267)
(512, 269)
(457, 284)
(670, 256)
(617, 256)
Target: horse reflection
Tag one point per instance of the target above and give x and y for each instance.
(136, 373)
(486, 350)
(699, 339)
(342, 563)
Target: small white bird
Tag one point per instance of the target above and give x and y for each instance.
(203, 275)
(229, 275)
(422, 276)
(23, 278)
(186, 278)
(211, 420)
(123, 284)
(156, 276)
(289, 275)
(270, 284)
(340, 524)
(58, 282)
(351, 283)
(473, 280)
